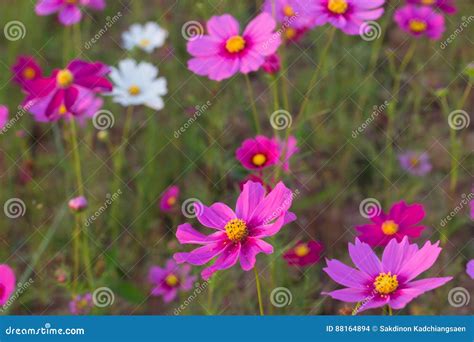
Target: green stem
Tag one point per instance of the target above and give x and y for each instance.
(259, 291)
(389, 309)
(317, 72)
(252, 102)
(391, 116)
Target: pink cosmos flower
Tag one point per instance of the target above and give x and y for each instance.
(347, 15)
(288, 149)
(86, 105)
(81, 304)
(169, 280)
(447, 6)
(7, 283)
(69, 10)
(169, 199)
(3, 116)
(402, 221)
(272, 64)
(420, 21)
(416, 163)
(304, 253)
(238, 233)
(298, 14)
(224, 51)
(258, 153)
(69, 85)
(78, 204)
(389, 281)
(25, 70)
(470, 268)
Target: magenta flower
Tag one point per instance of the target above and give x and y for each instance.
(447, 6)
(169, 280)
(238, 233)
(81, 304)
(420, 21)
(258, 153)
(25, 70)
(402, 221)
(470, 268)
(69, 10)
(169, 199)
(347, 15)
(288, 149)
(70, 85)
(3, 116)
(224, 51)
(78, 204)
(304, 253)
(298, 14)
(417, 164)
(389, 281)
(7, 283)
(272, 64)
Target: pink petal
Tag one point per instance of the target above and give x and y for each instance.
(260, 28)
(348, 295)
(216, 216)
(249, 251)
(420, 261)
(227, 259)
(364, 258)
(204, 46)
(276, 203)
(46, 7)
(201, 255)
(70, 15)
(223, 26)
(251, 195)
(186, 234)
(345, 275)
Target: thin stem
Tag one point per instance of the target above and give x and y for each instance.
(259, 291)
(390, 312)
(317, 72)
(252, 102)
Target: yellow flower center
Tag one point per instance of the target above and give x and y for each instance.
(290, 33)
(428, 2)
(389, 227)
(414, 161)
(386, 283)
(337, 6)
(62, 109)
(235, 44)
(29, 73)
(171, 280)
(82, 304)
(134, 90)
(288, 11)
(171, 201)
(417, 25)
(64, 78)
(259, 159)
(236, 230)
(144, 42)
(302, 250)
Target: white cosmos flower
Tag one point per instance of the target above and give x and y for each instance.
(137, 84)
(146, 37)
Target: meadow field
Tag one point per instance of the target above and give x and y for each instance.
(318, 153)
